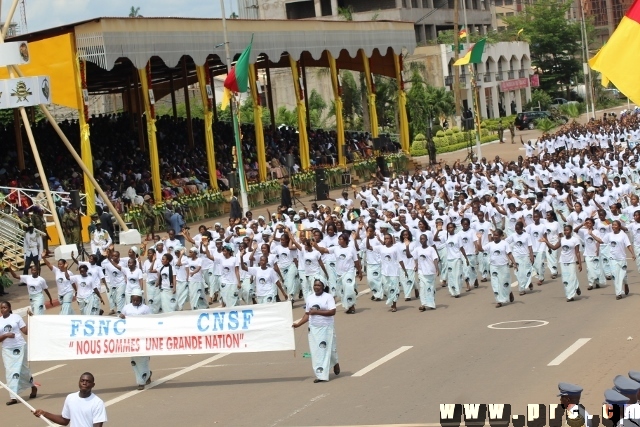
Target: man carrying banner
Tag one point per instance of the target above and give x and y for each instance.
(140, 364)
(319, 312)
(82, 408)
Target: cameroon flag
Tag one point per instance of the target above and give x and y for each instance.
(474, 56)
(462, 33)
(238, 78)
(619, 59)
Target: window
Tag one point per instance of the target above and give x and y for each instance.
(509, 14)
(498, 2)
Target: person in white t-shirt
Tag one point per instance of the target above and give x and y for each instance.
(36, 286)
(81, 409)
(319, 312)
(426, 266)
(569, 257)
(618, 241)
(66, 289)
(14, 352)
(140, 364)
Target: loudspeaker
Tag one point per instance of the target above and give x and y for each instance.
(233, 181)
(322, 188)
(290, 161)
(75, 198)
(382, 165)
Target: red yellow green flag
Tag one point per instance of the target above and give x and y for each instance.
(474, 56)
(619, 60)
(238, 78)
(463, 33)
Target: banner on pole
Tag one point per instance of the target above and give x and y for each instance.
(243, 329)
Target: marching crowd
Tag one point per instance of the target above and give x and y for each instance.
(571, 203)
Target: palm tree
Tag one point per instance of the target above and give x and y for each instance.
(546, 125)
(570, 110)
(134, 12)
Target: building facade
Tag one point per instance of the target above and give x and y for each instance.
(504, 77)
(429, 16)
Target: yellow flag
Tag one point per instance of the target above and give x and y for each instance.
(520, 31)
(604, 80)
(226, 99)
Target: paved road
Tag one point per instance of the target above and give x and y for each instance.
(444, 356)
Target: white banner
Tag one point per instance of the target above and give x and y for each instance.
(26, 91)
(14, 53)
(243, 329)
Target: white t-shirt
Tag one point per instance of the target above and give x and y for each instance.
(322, 302)
(193, 266)
(567, 249)
(345, 259)
(116, 277)
(229, 269)
(498, 252)
(311, 264)
(35, 284)
(85, 285)
(617, 244)
(84, 412)
(12, 323)
(64, 284)
(426, 259)
(180, 271)
(520, 244)
(132, 310)
(133, 279)
(265, 280)
(389, 265)
(94, 272)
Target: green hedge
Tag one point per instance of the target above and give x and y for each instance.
(440, 133)
(459, 146)
(455, 129)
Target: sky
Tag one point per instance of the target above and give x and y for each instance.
(42, 14)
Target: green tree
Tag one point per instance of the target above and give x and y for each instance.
(134, 12)
(546, 125)
(417, 108)
(316, 102)
(554, 41)
(351, 100)
(570, 110)
(346, 13)
(286, 117)
(386, 100)
(539, 99)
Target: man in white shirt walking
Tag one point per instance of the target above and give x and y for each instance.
(140, 364)
(81, 409)
(32, 247)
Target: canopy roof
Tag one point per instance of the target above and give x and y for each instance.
(113, 47)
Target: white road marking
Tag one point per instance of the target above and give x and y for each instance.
(568, 352)
(539, 323)
(514, 284)
(167, 378)
(379, 362)
(47, 370)
(297, 411)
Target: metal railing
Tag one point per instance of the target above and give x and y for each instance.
(24, 198)
(12, 239)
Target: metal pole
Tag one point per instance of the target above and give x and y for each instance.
(243, 190)
(586, 49)
(476, 107)
(584, 66)
(466, 27)
(456, 55)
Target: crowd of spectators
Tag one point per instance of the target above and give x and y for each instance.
(121, 165)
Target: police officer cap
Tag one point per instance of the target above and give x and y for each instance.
(612, 397)
(136, 292)
(625, 386)
(567, 389)
(634, 375)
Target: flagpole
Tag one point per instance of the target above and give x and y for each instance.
(234, 110)
(476, 108)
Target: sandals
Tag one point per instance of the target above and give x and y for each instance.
(393, 310)
(33, 394)
(578, 291)
(352, 310)
(149, 379)
(319, 381)
(422, 308)
(336, 369)
(498, 305)
(511, 297)
(12, 402)
(530, 286)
